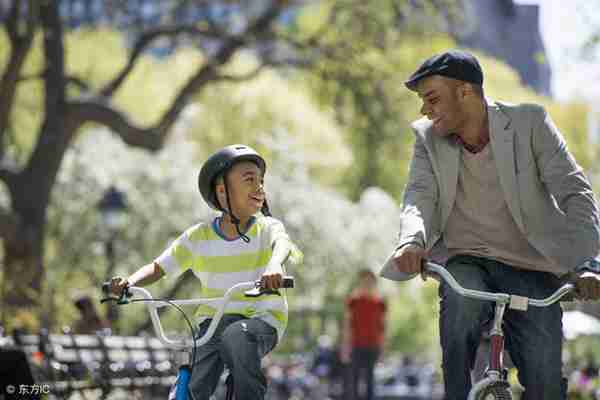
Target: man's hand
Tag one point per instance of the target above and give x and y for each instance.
(587, 286)
(272, 278)
(409, 258)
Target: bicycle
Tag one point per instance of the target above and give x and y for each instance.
(250, 289)
(494, 385)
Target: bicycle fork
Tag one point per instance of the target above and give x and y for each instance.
(495, 371)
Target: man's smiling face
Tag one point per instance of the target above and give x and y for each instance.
(441, 103)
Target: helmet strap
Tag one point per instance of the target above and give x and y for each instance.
(236, 221)
(265, 210)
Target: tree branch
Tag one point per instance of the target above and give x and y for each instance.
(208, 72)
(8, 174)
(152, 138)
(70, 79)
(20, 45)
(146, 40)
(100, 112)
(249, 75)
(54, 74)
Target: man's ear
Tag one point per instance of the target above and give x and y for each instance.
(464, 90)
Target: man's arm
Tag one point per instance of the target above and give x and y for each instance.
(565, 180)
(420, 198)
(419, 203)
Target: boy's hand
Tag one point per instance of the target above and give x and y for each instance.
(587, 286)
(272, 278)
(118, 284)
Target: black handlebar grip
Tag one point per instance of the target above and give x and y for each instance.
(288, 282)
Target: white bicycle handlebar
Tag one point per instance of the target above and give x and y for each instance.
(218, 303)
(433, 269)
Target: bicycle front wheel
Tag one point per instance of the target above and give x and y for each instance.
(496, 391)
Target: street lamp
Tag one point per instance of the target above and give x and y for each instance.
(113, 214)
(113, 210)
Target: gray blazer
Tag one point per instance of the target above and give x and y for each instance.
(545, 189)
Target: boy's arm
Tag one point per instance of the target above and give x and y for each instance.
(281, 252)
(146, 275)
(272, 278)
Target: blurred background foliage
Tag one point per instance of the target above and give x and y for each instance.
(336, 136)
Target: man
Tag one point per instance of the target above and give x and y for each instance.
(493, 186)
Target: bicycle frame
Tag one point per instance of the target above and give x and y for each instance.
(495, 373)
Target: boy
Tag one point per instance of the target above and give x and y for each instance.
(240, 245)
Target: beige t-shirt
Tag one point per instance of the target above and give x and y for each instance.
(481, 224)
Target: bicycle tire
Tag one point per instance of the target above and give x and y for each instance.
(496, 391)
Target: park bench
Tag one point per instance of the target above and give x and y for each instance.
(69, 363)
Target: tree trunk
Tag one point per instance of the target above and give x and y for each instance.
(23, 257)
(24, 271)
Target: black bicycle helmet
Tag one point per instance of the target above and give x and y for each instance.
(219, 163)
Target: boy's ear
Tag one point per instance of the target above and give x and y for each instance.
(220, 194)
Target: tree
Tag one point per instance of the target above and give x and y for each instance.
(367, 92)
(219, 30)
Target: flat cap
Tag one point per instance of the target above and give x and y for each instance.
(455, 64)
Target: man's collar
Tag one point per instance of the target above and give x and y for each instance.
(483, 141)
(484, 137)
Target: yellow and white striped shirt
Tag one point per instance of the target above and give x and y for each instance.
(220, 263)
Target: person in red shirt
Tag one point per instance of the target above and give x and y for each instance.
(364, 331)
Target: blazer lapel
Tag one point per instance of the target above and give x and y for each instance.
(502, 138)
(449, 160)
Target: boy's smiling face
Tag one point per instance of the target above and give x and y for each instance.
(246, 190)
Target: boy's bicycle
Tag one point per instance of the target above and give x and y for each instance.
(495, 385)
(133, 294)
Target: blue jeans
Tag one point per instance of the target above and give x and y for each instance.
(239, 343)
(532, 338)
